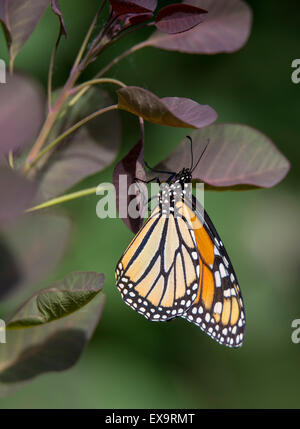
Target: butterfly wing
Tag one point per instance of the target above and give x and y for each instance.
(218, 309)
(159, 273)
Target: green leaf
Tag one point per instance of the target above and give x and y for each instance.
(171, 111)
(59, 321)
(67, 296)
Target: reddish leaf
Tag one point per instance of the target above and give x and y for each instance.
(19, 19)
(4, 22)
(19, 124)
(16, 194)
(38, 234)
(235, 155)
(135, 19)
(10, 271)
(148, 4)
(122, 7)
(226, 29)
(132, 166)
(171, 111)
(177, 18)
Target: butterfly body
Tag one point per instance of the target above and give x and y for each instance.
(177, 266)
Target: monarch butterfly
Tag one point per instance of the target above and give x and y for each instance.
(177, 266)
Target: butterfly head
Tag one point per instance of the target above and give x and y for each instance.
(184, 176)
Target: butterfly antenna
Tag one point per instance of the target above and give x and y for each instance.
(200, 156)
(192, 156)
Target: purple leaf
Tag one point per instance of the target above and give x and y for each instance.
(122, 7)
(19, 124)
(235, 155)
(19, 19)
(177, 18)
(226, 29)
(57, 10)
(33, 350)
(87, 151)
(10, 271)
(16, 194)
(135, 19)
(131, 166)
(171, 111)
(39, 235)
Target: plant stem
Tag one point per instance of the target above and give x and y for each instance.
(142, 126)
(121, 57)
(64, 199)
(81, 89)
(50, 120)
(97, 41)
(54, 112)
(11, 159)
(88, 36)
(50, 77)
(70, 131)
(115, 61)
(98, 81)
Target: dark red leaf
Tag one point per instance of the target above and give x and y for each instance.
(148, 4)
(39, 234)
(131, 166)
(177, 18)
(122, 7)
(225, 29)
(10, 271)
(135, 19)
(19, 19)
(170, 111)
(16, 194)
(19, 124)
(235, 155)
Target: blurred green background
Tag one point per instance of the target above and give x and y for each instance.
(130, 361)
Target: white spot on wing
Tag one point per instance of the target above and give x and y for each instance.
(217, 279)
(222, 270)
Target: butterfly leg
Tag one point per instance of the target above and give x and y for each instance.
(159, 171)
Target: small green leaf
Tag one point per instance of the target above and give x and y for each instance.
(69, 295)
(59, 322)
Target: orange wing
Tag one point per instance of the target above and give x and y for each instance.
(158, 274)
(218, 309)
